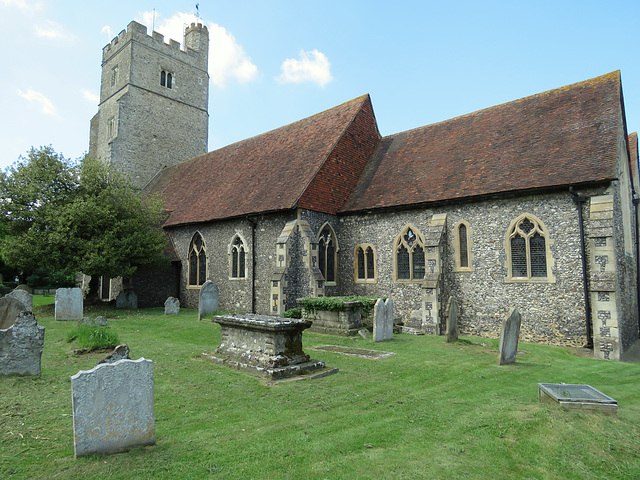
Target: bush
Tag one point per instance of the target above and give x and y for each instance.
(293, 313)
(92, 337)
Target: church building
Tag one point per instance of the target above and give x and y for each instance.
(531, 204)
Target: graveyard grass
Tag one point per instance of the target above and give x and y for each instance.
(434, 410)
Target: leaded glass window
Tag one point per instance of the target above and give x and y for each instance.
(528, 248)
(197, 261)
(463, 245)
(409, 255)
(360, 260)
(327, 253)
(365, 263)
(237, 258)
(371, 273)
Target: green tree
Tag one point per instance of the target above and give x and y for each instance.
(77, 217)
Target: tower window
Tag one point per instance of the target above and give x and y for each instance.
(114, 76)
(166, 79)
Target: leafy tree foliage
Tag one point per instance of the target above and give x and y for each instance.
(76, 217)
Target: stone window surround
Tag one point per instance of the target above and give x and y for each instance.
(456, 247)
(167, 78)
(542, 229)
(203, 250)
(364, 247)
(230, 250)
(111, 128)
(114, 76)
(397, 242)
(336, 249)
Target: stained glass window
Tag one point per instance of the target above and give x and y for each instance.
(528, 249)
(327, 253)
(197, 261)
(463, 245)
(410, 258)
(365, 262)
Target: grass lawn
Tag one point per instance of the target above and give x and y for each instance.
(431, 411)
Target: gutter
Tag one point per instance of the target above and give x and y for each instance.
(636, 201)
(253, 224)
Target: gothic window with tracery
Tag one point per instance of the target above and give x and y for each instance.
(409, 255)
(197, 261)
(328, 253)
(527, 244)
(238, 258)
(365, 270)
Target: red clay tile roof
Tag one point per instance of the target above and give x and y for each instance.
(633, 151)
(557, 138)
(269, 172)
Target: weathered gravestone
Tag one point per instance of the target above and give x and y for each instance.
(127, 299)
(9, 310)
(509, 338)
(452, 320)
(69, 304)
(383, 320)
(171, 306)
(94, 322)
(121, 352)
(21, 346)
(25, 298)
(208, 299)
(113, 407)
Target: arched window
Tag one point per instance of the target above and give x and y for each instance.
(528, 254)
(462, 247)
(163, 78)
(197, 261)
(365, 264)
(408, 257)
(328, 254)
(238, 258)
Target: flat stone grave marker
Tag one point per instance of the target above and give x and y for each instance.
(355, 352)
(208, 299)
(171, 306)
(127, 299)
(23, 297)
(509, 336)
(9, 310)
(69, 304)
(452, 320)
(21, 346)
(383, 320)
(577, 397)
(113, 407)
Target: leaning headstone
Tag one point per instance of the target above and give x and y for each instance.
(93, 322)
(383, 320)
(121, 352)
(101, 321)
(9, 310)
(208, 299)
(69, 304)
(171, 306)
(509, 338)
(452, 320)
(113, 407)
(23, 297)
(364, 333)
(21, 346)
(127, 299)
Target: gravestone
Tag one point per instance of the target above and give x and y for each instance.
(171, 306)
(208, 299)
(452, 320)
(69, 304)
(127, 299)
(9, 310)
(121, 352)
(21, 346)
(383, 320)
(98, 321)
(23, 297)
(113, 407)
(509, 338)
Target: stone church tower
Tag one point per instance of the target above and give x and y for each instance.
(153, 101)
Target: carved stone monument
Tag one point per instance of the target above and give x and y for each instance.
(171, 306)
(21, 346)
(452, 320)
(208, 299)
(383, 320)
(69, 304)
(113, 407)
(509, 338)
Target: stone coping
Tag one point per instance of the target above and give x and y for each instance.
(356, 352)
(262, 322)
(278, 373)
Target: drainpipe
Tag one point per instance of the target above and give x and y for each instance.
(636, 200)
(579, 201)
(253, 263)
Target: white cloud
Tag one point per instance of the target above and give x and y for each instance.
(90, 96)
(40, 99)
(227, 62)
(107, 29)
(53, 31)
(312, 66)
(23, 4)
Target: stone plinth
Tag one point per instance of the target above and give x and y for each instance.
(344, 321)
(266, 346)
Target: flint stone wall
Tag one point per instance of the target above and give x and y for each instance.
(21, 346)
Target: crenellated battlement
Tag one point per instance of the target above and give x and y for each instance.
(196, 40)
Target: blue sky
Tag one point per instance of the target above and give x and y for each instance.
(275, 62)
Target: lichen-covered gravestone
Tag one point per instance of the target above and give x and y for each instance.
(383, 320)
(23, 297)
(9, 310)
(208, 299)
(509, 338)
(127, 299)
(452, 320)
(21, 346)
(113, 407)
(171, 306)
(69, 304)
